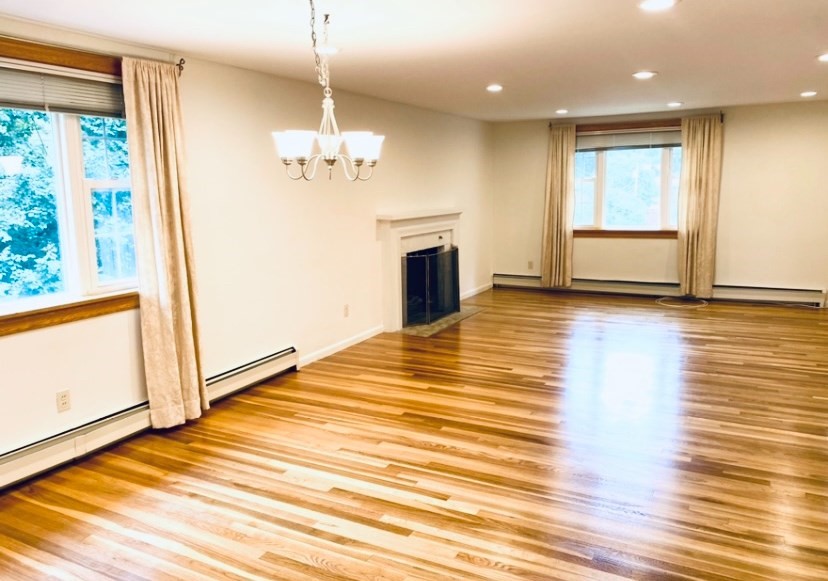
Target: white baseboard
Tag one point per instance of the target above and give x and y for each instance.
(339, 346)
(667, 289)
(652, 289)
(476, 291)
(227, 383)
(42, 456)
(516, 280)
(607, 286)
(772, 295)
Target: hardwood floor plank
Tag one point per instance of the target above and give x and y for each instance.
(550, 436)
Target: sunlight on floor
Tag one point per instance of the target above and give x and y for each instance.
(621, 406)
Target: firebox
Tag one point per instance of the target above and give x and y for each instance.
(430, 285)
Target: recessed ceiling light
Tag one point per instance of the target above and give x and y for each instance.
(675, 104)
(494, 88)
(823, 58)
(644, 75)
(808, 94)
(657, 5)
(562, 111)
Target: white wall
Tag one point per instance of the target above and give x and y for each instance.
(772, 213)
(521, 149)
(276, 260)
(627, 259)
(98, 360)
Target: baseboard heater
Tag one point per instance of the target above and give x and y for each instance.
(588, 285)
(662, 289)
(49, 453)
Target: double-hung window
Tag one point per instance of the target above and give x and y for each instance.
(66, 229)
(627, 181)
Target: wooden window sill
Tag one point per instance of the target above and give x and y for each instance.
(664, 234)
(66, 313)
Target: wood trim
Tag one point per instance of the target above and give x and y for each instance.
(587, 233)
(628, 125)
(57, 315)
(59, 56)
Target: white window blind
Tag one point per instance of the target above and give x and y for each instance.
(61, 92)
(635, 139)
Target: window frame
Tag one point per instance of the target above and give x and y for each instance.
(73, 200)
(49, 310)
(597, 229)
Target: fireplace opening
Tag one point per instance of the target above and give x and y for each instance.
(430, 285)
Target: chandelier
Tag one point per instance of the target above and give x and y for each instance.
(295, 147)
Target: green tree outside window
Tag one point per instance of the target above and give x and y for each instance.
(30, 250)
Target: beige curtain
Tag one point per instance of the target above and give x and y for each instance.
(559, 212)
(701, 171)
(169, 332)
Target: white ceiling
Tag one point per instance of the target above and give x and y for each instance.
(440, 54)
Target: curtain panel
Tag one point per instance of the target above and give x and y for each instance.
(701, 172)
(169, 329)
(559, 211)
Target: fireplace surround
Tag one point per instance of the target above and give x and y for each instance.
(405, 233)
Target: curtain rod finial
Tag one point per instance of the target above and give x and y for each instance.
(180, 66)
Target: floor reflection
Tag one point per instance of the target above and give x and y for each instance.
(620, 409)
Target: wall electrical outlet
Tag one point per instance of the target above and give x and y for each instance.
(531, 265)
(346, 311)
(63, 401)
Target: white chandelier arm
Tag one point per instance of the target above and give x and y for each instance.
(352, 168)
(307, 167)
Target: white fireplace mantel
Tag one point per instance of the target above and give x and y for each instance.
(408, 232)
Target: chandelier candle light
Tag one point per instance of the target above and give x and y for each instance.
(296, 146)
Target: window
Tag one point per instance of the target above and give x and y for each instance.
(106, 188)
(627, 181)
(65, 208)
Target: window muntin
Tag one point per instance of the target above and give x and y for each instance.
(66, 211)
(631, 187)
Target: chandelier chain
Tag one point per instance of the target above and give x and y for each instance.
(321, 63)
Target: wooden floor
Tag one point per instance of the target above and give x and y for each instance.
(547, 437)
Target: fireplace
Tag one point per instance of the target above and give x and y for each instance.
(430, 285)
(418, 234)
